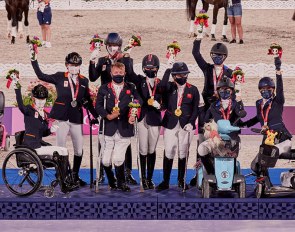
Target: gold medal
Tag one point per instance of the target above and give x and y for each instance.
(178, 112)
(151, 101)
(116, 109)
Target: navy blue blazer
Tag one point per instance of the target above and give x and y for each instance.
(121, 123)
(35, 126)
(189, 105)
(153, 115)
(62, 109)
(275, 116)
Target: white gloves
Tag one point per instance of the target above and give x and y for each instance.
(199, 32)
(156, 105)
(95, 54)
(32, 54)
(188, 127)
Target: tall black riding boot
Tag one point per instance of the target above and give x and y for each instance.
(111, 177)
(63, 171)
(207, 162)
(181, 172)
(128, 167)
(121, 178)
(151, 160)
(143, 159)
(101, 173)
(76, 168)
(167, 166)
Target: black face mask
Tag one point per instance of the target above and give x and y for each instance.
(181, 81)
(150, 73)
(118, 78)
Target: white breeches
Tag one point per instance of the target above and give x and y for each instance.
(49, 150)
(177, 138)
(64, 127)
(114, 149)
(148, 137)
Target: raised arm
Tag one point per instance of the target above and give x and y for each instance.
(19, 99)
(164, 84)
(280, 88)
(197, 55)
(42, 76)
(95, 72)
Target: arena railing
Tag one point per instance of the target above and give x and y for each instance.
(156, 5)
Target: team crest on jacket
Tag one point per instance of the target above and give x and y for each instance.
(128, 91)
(66, 83)
(189, 95)
(36, 114)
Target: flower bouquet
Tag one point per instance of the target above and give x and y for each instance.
(134, 41)
(276, 50)
(12, 75)
(96, 42)
(35, 43)
(202, 20)
(134, 108)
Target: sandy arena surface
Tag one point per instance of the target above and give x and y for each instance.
(158, 28)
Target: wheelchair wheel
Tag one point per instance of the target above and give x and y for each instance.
(22, 172)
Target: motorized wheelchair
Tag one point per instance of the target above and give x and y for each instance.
(226, 174)
(267, 158)
(24, 172)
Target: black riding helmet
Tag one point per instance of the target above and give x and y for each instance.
(114, 39)
(150, 61)
(179, 68)
(73, 58)
(266, 82)
(219, 48)
(225, 82)
(40, 92)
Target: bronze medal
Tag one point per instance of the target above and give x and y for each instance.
(178, 112)
(150, 101)
(116, 109)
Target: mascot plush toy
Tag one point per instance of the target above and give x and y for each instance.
(211, 134)
(270, 139)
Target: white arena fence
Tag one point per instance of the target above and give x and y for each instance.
(251, 70)
(155, 5)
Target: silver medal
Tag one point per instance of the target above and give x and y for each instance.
(74, 103)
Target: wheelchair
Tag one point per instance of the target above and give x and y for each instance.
(23, 171)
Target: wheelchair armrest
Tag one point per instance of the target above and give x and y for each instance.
(287, 156)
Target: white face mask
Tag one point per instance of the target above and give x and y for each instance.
(112, 50)
(74, 70)
(40, 103)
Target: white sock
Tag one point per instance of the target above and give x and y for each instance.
(9, 25)
(213, 29)
(13, 31)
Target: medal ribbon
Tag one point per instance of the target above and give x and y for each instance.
(227, 115)
(45, 113)
(180, 98)
(74, 95)
(215, 80)
(265, 117)
(116, 97)
(152, 93)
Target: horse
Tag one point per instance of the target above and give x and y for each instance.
(191, 13)
(15, 10)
